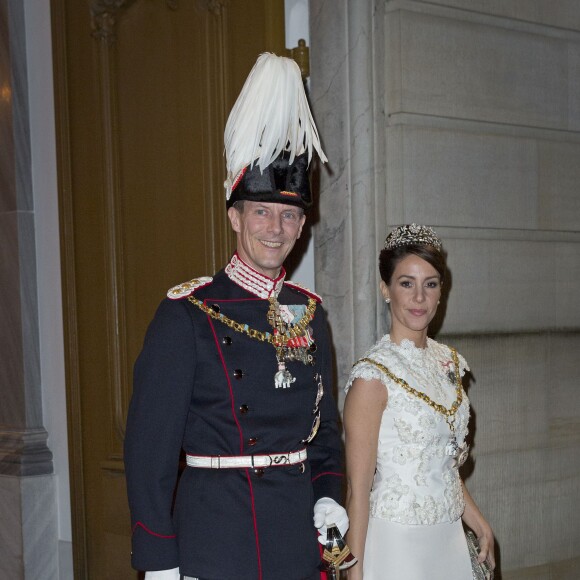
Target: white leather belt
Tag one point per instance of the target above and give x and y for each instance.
(237, 461)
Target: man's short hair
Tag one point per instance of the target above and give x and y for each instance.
(239, 205)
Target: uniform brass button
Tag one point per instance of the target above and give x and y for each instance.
(313, 347)
(226, 340)
(215, 308)
(244, 409)
(259, 471)
(301, 468)
(252, 440)
(238, 373)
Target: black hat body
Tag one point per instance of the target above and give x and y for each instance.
(280, 182)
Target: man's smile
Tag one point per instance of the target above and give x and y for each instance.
(269, 244)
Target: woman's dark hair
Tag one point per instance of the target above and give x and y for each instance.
(388, 259)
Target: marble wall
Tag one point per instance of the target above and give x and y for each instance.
(39, 59)
(28, 546)
(524, 468)
(465, 115)
(28, 529)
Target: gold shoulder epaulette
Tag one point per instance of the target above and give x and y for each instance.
(187, 288)
(304, 290)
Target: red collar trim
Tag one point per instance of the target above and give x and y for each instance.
(252, 281)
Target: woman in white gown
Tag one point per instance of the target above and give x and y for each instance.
(405, 420)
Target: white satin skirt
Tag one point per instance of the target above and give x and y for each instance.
(397, 551)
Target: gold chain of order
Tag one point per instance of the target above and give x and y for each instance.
(447, 413)
(278, 340)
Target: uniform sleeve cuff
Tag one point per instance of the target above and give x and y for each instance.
(153, 551)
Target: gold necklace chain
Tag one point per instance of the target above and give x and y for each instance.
(447, 413)
(278, 340)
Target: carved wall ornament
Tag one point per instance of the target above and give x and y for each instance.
(301, 54)
(103, 17)
(216, 7)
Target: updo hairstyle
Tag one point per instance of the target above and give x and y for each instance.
(389, 258)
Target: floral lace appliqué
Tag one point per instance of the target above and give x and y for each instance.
(454, 494)
(416, 482)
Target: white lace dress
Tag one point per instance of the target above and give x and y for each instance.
(415, 530)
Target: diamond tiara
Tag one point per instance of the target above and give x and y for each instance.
(412, 234)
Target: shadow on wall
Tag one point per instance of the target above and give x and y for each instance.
(469, 466)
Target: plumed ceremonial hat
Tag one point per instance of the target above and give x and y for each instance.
(270, 137)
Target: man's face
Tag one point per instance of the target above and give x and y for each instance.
(266, 232)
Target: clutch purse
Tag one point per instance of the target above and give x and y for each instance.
(481, 570)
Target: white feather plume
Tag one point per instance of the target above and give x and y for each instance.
(271, 115)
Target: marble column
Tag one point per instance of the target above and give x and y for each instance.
(346, 94)
(28, 528)
(466, 116)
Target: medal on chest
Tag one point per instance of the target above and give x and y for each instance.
(453, 449)
(291, 334)
(292, 338)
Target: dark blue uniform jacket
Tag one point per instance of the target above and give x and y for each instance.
(201, 386)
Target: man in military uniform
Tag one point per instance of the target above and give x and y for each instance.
(236, 371)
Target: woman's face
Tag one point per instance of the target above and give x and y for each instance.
(414, 292)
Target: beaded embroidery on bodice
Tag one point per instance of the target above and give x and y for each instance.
(416, 482)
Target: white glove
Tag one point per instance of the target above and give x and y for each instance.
(327, 512)
(163, 575)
